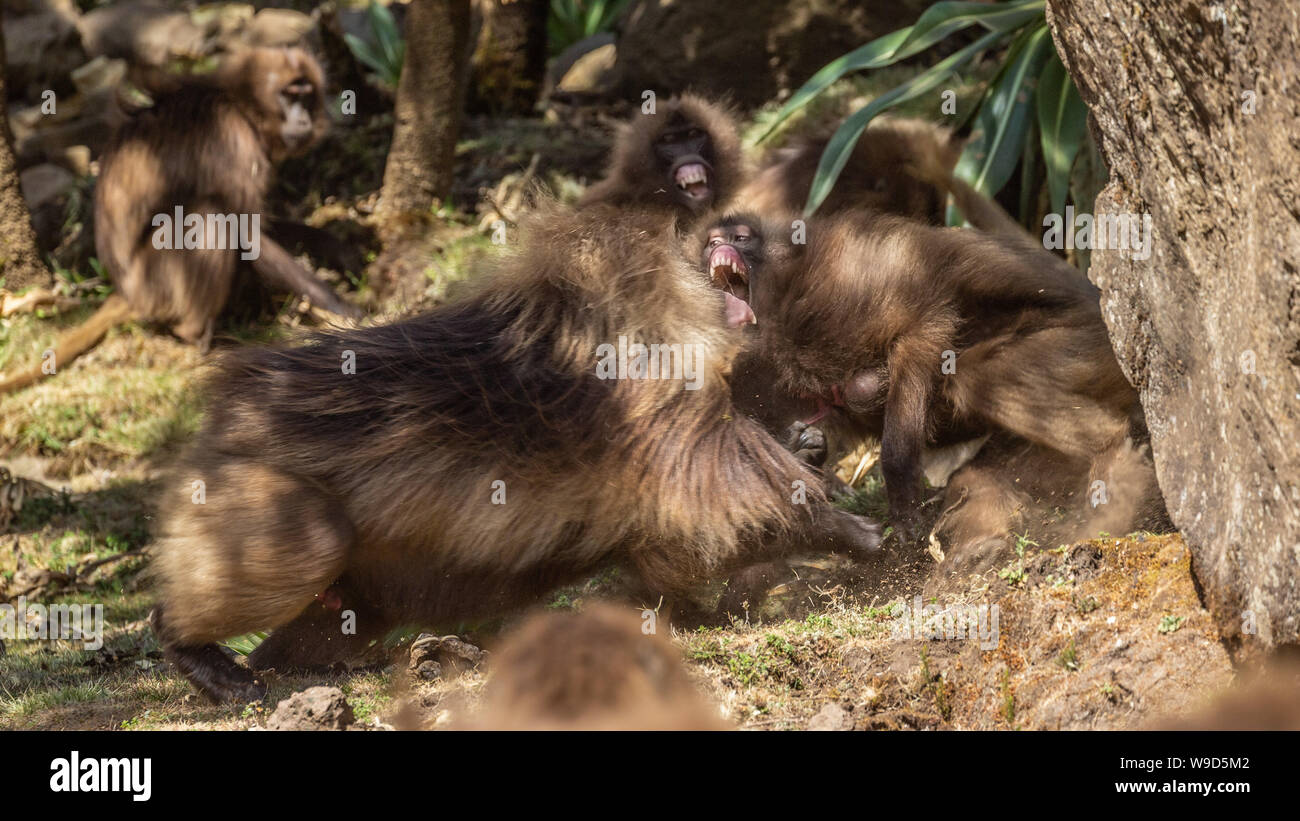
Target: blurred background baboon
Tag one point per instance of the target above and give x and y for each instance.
(208, 147)
(595, 669)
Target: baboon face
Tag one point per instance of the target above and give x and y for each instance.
(685, 156)
(297, 123)
(733, 251)
(286, 97)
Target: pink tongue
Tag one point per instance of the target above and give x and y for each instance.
(738, 312)
(689, 170)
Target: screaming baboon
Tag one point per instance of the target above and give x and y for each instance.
(883, 173)
(180, 198)
(920, 335)
(591, 670)
(684, 159)
(572, 411)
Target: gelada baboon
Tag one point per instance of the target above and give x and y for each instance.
(683, 159)
(882, 173)
(923, 335)
(466, 460)
(596, 669)
(203, 153)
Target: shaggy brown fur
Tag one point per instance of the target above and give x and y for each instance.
(209, 146)
(651, 149)
(861, 317)
(591, 670)
(380, 483)
(881, 174)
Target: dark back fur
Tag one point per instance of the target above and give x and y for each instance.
(879, 176)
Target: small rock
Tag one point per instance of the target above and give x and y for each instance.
(278, 27)
(141, 33)
(587, 67)
(429, 670)
(316, 708)
(100, 74)
(430, 655)
(831, 717)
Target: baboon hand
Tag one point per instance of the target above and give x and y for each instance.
(807, 442)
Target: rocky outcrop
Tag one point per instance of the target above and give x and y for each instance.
(1197, 114)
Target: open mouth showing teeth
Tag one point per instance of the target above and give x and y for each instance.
(730, 274)
(728, 269)
(693, 179)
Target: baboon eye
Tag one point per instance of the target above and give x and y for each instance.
(715, 242)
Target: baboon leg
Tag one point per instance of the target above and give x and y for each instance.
(281, 272)
(831, 529)
(208, 667)
(336, 628)
(1007, 382)
(217, 558)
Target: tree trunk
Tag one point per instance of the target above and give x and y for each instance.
(1199, 121)
(20, 258)
(430, 96)
(510, 57)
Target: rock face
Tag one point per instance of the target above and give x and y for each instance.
(749, 50)
(1198, 118)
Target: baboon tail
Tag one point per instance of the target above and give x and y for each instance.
(72, 343)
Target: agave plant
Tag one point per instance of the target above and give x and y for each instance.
(574, 20)
(1031, 90)
(385, 49)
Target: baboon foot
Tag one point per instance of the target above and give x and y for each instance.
(216, 674)
(210, 668)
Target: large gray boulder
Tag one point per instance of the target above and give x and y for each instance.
(1198, 117)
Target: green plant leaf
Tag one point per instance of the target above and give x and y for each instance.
(939, 21)
(387, 36)
(1062, 118)
(877, 53)
(595, 16)
(245, 644)
(1029, 185)
(846, 136)
(993, 152)
(368, 55)
(942, 19)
